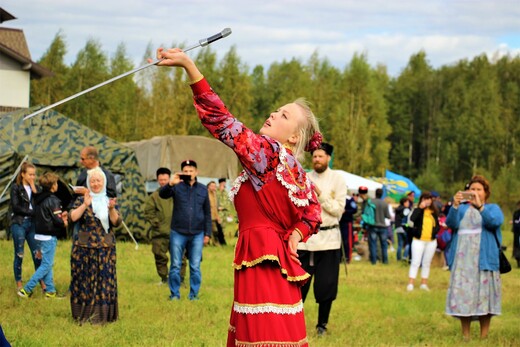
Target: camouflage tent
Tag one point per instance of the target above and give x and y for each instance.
(53, 142)
(214, 159)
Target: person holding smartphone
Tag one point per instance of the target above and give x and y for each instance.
(190, 226)
(475, 290)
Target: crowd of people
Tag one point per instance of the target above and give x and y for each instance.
(295, 228)
(39, 218)
(466, 230)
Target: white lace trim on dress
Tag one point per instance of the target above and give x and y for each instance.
(292, 189)
(268, 308)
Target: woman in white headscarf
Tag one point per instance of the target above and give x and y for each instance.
(93, 286)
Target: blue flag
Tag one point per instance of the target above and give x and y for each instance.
(397, 186)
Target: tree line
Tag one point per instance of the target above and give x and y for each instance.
(437, 126)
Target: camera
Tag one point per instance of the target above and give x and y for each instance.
(467, 195)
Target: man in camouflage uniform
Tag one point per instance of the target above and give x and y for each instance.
(216, 225)
(225, 206)
(158, 212)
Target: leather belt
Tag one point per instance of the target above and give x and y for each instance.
(330, 227)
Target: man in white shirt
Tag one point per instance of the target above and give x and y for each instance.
(321, 254)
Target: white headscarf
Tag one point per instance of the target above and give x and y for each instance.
(99, 200)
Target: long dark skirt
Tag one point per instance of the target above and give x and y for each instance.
(93, 289)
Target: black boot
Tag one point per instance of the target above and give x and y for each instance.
(321, 329)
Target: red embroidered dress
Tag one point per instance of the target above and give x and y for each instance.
(272, 197)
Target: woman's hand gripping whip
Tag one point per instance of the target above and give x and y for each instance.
(201, 43)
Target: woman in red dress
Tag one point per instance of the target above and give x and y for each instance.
(276, 207)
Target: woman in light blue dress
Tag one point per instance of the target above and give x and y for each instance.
(474, 292)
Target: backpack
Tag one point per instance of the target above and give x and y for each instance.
(443, 238)
(369, 213)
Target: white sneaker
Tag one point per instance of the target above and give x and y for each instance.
(424, 287)
(409, 287)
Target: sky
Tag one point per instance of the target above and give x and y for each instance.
(263, 32)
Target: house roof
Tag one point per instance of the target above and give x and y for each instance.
(5, 16)
(13, 45)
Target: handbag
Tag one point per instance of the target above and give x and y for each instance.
(504, 265)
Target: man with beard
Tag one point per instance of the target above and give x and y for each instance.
(321, 254)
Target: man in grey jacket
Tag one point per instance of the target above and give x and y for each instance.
(379, 230)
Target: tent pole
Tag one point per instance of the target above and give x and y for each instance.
(132, 236)
(14, 176)
(344, 256)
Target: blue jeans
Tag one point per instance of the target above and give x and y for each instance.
(380, 233)
(20, 234)
(193, 245)
(44, 272)
(401, 240)
(406, 253)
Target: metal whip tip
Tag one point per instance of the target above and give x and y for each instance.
(225, 32)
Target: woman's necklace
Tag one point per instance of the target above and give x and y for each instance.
(301, 186)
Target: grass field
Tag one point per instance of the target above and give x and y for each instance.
(373, 307)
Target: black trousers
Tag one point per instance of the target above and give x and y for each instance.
(323, 266)
(220, 234)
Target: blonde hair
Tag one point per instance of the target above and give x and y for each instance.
(306, 130)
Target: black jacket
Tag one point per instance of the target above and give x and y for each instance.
(399, 216)
(417, 219)
(20, 204)
(349, 212)
(47, 215)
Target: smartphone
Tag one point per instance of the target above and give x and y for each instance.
(185, 178)
(467, 195)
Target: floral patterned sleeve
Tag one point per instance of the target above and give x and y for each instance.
(263, 158)
(258, 154)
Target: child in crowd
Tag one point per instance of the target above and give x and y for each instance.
(444, 239)
(50, 222)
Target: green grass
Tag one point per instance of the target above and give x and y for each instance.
(372, 308)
